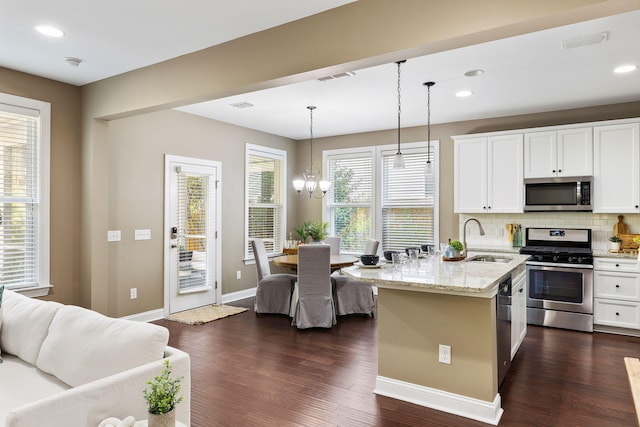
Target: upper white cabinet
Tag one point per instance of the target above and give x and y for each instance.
(565, 152)
(616, 174)
(488, 174)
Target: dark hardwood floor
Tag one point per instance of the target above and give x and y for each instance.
(250, 370)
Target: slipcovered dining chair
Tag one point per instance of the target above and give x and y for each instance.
(371, 248)
(273, 292)
(334, 243)
(313, 301)
(354, 296)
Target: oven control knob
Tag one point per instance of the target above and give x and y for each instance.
(556, 258)
(573, 259)
(539, 257)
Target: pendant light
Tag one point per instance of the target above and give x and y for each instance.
(311, 177)
(429, 165)
(398, 162)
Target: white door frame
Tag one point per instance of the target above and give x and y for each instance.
(168, 196)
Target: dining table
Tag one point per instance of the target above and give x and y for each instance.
(337, 261)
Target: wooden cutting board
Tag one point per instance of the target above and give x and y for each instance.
(620, 227)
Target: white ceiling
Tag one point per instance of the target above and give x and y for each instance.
(525, 74)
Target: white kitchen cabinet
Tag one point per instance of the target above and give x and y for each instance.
(616, 303)
(556, 153)
(518, 312)
(616, 172)
(488, 174)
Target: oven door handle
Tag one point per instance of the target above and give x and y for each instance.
(553, 264)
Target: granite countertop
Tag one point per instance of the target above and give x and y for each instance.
(607, 254)
(477, 279)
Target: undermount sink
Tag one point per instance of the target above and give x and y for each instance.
(489, 258)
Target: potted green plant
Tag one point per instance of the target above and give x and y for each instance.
(614, 243)
(457, 247)
(161, 395)
(316, 230)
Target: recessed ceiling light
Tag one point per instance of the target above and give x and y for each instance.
(474, 73)
(72, 62)
(49, 31)
(625, 69)
(463, 93)
(242, 104)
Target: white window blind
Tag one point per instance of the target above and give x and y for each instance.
(194, 229)
(19, 196)
(265, 193)
(350, 199)
(408, 197)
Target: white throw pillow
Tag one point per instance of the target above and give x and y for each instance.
(25, 322)
(83, 345)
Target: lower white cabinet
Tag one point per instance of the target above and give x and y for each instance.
(616, 285)
(518, 312)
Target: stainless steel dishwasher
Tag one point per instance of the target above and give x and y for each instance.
(503, 327)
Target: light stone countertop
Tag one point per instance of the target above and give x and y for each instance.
(467, 278)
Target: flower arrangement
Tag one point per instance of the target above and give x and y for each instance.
(161, 393)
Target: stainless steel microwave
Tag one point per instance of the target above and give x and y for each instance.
(558, 194)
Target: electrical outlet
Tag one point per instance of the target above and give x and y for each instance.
(113, 236)
(142, 234)
(133, 293)
(444, 354)
(238, 275)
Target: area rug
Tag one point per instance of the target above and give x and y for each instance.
(206, 314)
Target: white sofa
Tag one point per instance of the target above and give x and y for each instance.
(68, 366)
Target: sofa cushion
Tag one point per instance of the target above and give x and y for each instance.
(25, 322)
(23, 383)
(83, 346)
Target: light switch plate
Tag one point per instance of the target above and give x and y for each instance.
(142, 234)
(444, 354)
(113, 236)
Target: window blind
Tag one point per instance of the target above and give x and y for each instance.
(350, 199)
(193, 229)
(408, 197)
(19, 196)
(265, 200)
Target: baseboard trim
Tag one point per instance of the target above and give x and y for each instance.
(480, 410)
(150, 316)
(238, 295)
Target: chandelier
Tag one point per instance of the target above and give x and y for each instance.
(311, 177)
(429, 165)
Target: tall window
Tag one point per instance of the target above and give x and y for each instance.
(24, 192)
(371, 199)
(265, 198)
(349, 202)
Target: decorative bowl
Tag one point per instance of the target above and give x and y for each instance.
(369, 259)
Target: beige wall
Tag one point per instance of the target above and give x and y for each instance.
(137, 146)
(64, 177)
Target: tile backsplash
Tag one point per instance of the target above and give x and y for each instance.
(496, 233)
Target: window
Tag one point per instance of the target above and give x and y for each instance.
(24, 193)
(265, 198)
(370, 199)
(349, 201)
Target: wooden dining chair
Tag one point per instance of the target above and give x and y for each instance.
(313, 300)
(273, 291)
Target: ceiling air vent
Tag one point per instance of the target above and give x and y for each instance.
(337, 76)
(585, 40)
(243, 104)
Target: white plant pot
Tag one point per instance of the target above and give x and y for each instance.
(163, 420)
(614, 246)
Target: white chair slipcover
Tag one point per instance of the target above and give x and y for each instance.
(353, 296)
(334, 243)
(314, 304)
(273, 292)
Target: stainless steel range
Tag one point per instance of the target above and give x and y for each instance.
(559, 278)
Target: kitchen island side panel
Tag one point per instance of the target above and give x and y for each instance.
(411, 325)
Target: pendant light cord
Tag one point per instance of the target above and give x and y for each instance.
(428, 85)
(311, 108)
(399, 104)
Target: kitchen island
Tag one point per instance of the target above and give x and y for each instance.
(440, 303)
